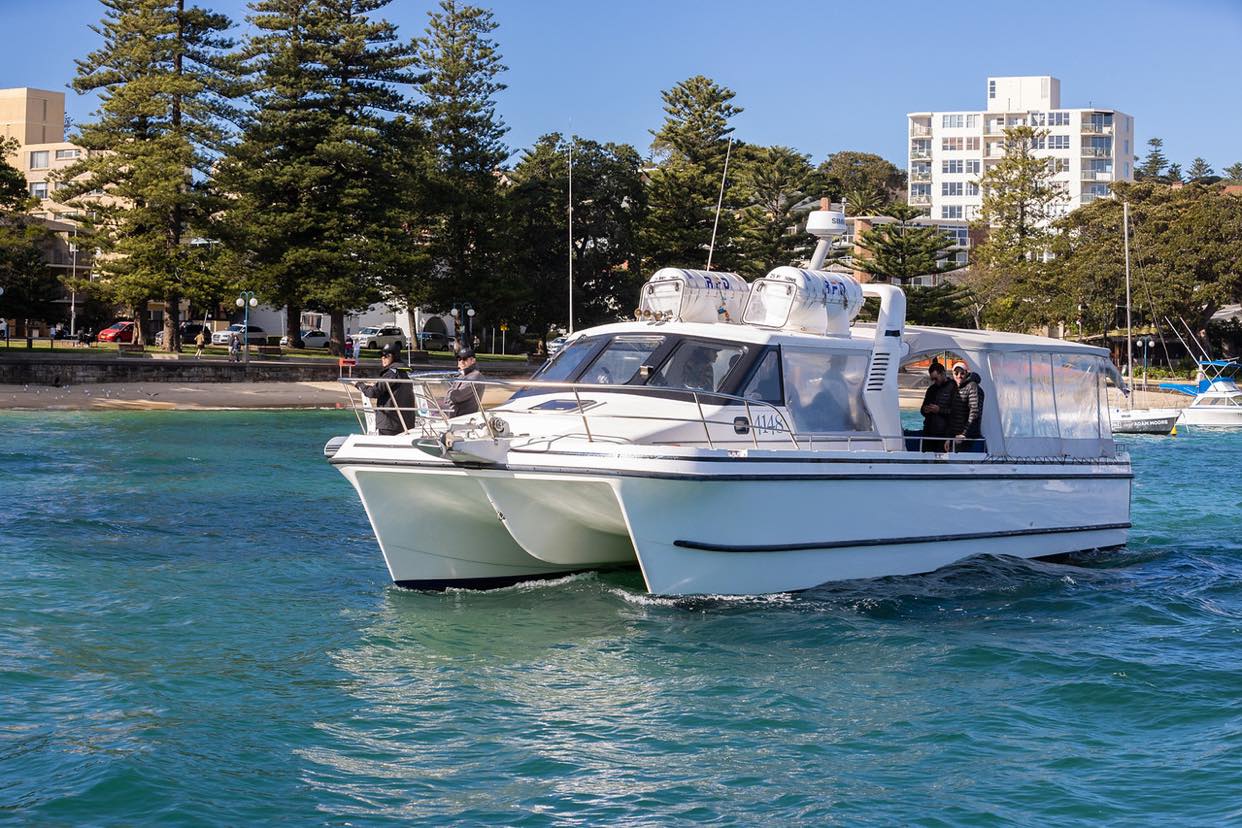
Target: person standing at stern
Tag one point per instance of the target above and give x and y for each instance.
(942, 409)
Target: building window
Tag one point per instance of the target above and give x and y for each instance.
(950, 188)
(959, 235)
(973, 167)
(1058, 119)
(951, 144)
(972, 144)
(920, 190)
(38, 160)
(38, 189)
(61, 155)
(1037, 142)
(1125, 144)
(972, 121)
(972, 210)
(1058, 142)
(951, 167)
(951, 211)
(1038, 119)
(1058, 165)
(991, 90)
(952, 121)
(972, 189)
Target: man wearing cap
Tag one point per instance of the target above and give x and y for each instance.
(461, 397)
(394, 401)
(972, 407)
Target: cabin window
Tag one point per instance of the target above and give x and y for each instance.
(698, 366)
(1050, 396)
(621, 360)
(765, 382)
(565, 364)
(824, 390)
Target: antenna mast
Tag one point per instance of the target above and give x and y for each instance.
(719, 201)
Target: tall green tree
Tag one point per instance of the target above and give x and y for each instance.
(690, 150)
(164, 80)
(1234, 171)
(464, 68)
(865, 201)
(30, 287)
(850, 171)
(1199, 170)
(772, 182)
(1020, 201)
(609, 204)
(902, 249)
(315, 187)
(1173, 174)
(1154, 162)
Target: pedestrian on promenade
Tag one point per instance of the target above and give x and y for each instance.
(199, 342)
(234, 348)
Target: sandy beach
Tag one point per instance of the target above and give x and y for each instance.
(152, 396)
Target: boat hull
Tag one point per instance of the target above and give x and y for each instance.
(1145, 420)
(1214, 416)
(436, 529)
(860, 526)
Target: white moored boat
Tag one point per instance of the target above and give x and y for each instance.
(1217, 397)
(744, 439)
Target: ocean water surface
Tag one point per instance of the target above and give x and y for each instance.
(196, 628)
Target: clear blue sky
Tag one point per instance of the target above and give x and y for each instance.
(818, 76)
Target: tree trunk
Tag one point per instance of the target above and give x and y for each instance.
(293, 325)
(172, 323)
(337, 334)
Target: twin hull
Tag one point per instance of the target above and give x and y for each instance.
(718, 523)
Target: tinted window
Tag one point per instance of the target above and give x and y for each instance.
(765, 381)
(621, 360)
(823, 390)
(699, 366)
(566, 363)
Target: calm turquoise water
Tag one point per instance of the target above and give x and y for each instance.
(197, 628)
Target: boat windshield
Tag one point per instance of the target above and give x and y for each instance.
(567, 361)
(620, 361)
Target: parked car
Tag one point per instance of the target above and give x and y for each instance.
(310, 339)
(377, 337)
(119, 332)
(189, 330)
(256, 335)
(434, 341)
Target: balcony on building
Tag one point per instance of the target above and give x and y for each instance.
(920, 200)
(1099, 123)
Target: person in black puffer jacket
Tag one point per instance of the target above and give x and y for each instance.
(971, 394)
(942, 409)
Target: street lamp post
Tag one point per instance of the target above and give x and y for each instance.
(1146, 343)
(246, 301)
(467, 324)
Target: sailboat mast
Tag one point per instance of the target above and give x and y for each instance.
(1125, 233)
(571, 234)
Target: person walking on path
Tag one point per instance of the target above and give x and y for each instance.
(461, 397)
(394, 401)
(942, 409)
(234, 348)
(199, 342)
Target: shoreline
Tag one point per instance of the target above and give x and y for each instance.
(173, 396)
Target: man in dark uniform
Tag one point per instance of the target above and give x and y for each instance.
(394, 401)
(461, 396)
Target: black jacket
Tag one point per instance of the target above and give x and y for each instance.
(948, 421)
(461, 397)
(972, 406)
(394, 402)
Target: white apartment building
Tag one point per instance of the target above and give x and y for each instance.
(1088, 148)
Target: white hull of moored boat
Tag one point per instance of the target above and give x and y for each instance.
(1215, 417)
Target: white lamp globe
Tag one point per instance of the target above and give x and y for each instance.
(254, 303)
(240, 302)
(470, 312)
(453, 313)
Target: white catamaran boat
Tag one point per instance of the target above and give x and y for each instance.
(743, 439)
(1217, 397)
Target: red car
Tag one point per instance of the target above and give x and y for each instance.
(119, 332)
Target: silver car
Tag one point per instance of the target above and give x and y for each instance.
(256, 335)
